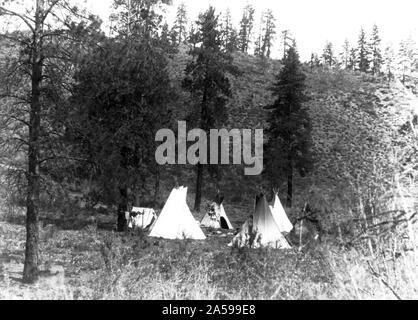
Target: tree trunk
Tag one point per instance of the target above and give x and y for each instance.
(289, 186)
(157, 185)
(218, 177)
(123, 207)
(30, 271)
(205, 127)
(199, 170)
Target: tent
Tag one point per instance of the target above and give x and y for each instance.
(141, 218)
(216, 217)
(175, 220)
(280, 215)
(260, 230)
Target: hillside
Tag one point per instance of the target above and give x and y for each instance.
(355, 119)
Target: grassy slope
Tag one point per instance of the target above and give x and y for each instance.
(354, 117)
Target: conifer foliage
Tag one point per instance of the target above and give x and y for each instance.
(289, 138)
(206, 79)
(180, 25)
(363, 53)
(246, 28)
(269, 31)
(328, 55)
(376, 52)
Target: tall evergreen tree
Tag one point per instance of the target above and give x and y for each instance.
(180, 24)
(376, 51)
(315, 62)
(229, 34)
(389, 63)
(246, 28)
(193, 36)
(137, 18)
(36, 82)
(286, 41)
(259, 40)
(328, 55)
(121, 97)
(363, 53)
(207, 80)
(167, 40)
(289, 129)
(269, 31)
(232, 44)
(345, 55)
(407, 59)
(352, 60)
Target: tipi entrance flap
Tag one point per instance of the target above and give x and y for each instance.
(223, 215)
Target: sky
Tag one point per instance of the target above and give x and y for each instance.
(312, 22)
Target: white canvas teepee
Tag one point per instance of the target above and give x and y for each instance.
(175, 220)
(216, 218)
(260, 230)
(280, 215)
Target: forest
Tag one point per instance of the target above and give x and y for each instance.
(80, 108)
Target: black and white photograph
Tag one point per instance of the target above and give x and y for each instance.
(219, 151)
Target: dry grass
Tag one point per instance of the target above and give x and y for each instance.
(101, 264)
(104, 265)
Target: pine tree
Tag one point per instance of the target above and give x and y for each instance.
(137, 18)
(389, 63)
(121, 95)
(286, 41)
(352, 60)
(289, 128)
(259, 41)
(403, 60)
(232, 44)
(269, 30)
(173, 35)
(167, 40)
(345, 55)
(193, 37)
(180, 24)
(207, 81)
(363, 53)
(328, 55)
(246, 28)
(376, 52)
(229, 34)
(407, 59)
(35, 82)
(315, 62)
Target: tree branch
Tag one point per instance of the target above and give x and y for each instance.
(25, 19)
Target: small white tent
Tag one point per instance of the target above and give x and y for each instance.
(216, 217)
(260, 230)
(280, 215)
(175, 220)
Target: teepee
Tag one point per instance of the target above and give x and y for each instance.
(175, 220)
(280, 215)
(260, 230)
(216, 217)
